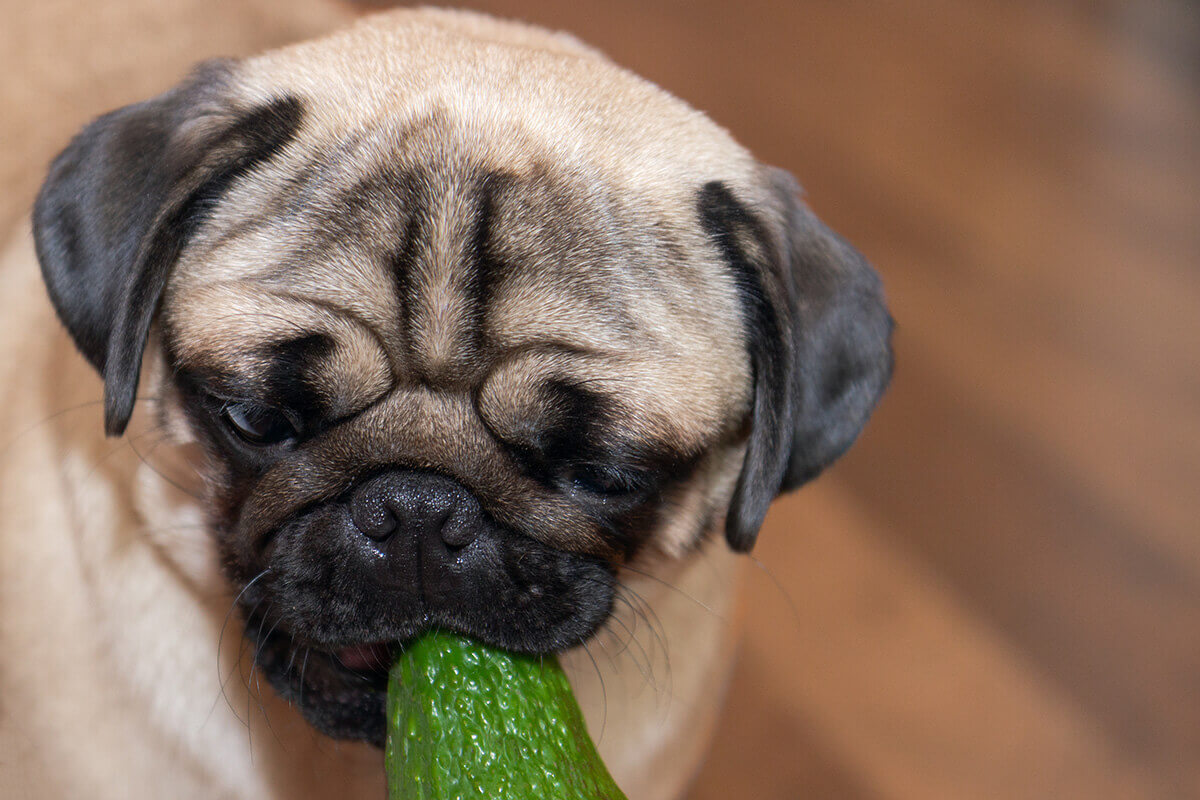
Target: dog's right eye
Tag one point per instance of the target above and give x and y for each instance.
(257, 425)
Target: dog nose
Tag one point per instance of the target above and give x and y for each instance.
(425, 507)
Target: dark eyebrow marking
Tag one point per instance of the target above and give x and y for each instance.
(285, 384)
(575, 414)
(348, 313)
(400, 266)
(584, 430)
(486, 271)
(581, 426)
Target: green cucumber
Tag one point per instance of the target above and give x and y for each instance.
(469, 721)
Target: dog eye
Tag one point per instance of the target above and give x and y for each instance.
(257, 425)
(602, 480)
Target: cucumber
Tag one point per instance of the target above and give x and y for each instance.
(470, 721)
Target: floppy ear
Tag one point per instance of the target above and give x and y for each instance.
(818, 337)
(121, 201)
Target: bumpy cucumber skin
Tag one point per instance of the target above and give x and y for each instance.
(467, 721)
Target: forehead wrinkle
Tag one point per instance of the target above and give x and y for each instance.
(347, 281)
(434, 288)
(575, 256)
(279, 193)
(348, 314)
(253, 316)
(658, 399)
(450, 275)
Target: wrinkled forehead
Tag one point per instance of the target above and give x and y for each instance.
(436, 256)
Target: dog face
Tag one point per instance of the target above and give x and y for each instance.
(464, 319)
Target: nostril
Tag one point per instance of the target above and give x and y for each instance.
(375, 520)
(457, 534)
(371, 513)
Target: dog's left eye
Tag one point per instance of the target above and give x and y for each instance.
(257, 425)
(602, 480)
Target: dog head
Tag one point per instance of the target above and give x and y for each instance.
(464, 318)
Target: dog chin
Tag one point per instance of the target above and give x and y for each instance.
(342, 693)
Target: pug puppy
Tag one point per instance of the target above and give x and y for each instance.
(439, 321)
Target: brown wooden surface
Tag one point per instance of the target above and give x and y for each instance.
(997, 593)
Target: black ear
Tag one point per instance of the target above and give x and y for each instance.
(121, 201)
(818, 337)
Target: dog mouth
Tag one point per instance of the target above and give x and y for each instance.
(341, 688)
(337, 608)
(341, 691)
(366, 659)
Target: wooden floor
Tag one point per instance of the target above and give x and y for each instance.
(997, 593)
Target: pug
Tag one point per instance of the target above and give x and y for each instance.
(438, 322)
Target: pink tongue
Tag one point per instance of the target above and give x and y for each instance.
(365, 656)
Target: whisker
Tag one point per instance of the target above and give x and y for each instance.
(652, 620)
(221, 642)
(673, 588)
(628, 632)
(603, 693)
(162, 475)
(303, 667)
(658, 631)
(645, 666)
(117, 448)
(246, 679)
(791, 603)
(256, 673)
(60, 413)
(291, 660)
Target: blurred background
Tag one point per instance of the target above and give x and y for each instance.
(996, 594)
